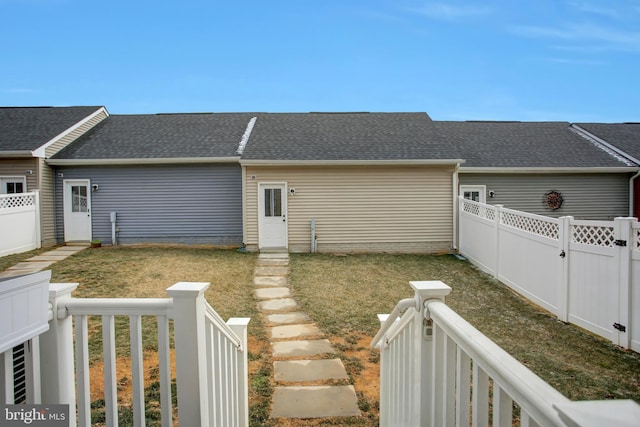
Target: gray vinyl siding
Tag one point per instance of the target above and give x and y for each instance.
(191, 204)
(599, 196)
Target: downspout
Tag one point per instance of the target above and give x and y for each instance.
(632, 202)
(455, 207)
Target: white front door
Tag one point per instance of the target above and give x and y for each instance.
(77, 210)
(272, 217)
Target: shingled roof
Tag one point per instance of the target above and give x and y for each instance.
(292, 137)
(524, 145)
(160, 136)
(623, 136)
(28, 128)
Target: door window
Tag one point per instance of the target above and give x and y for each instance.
(79, 199)
(272, 202)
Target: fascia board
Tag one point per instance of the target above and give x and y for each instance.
(134, 161)
(404, 162)
(16, 153)
(40, 151)
(529, 170)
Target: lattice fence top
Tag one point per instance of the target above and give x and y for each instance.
(593, 235)
(538, 226)
(478, 209)
(17, 201)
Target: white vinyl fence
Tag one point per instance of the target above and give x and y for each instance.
(584, 272)
(19, 222)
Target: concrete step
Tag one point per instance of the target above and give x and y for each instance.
(271, 271)
(273, 262)
(309, 370)
(295, 331)
(314, 402)
(301, 348)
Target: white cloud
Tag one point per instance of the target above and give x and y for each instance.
(597, 10)
(450, 12)
(581, 34)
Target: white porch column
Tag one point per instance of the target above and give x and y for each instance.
(56, 352)
(189, 336)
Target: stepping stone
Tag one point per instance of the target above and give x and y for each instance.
(50, 257)
(72, 249)
(295, 331)
(287, 318)
(314, 402)
(274, 255)
(272, 262)
(309, 370)
(270, 281)
(278, 304)
(301, 348)
(271, 293)
(271, 271)
(31, 266)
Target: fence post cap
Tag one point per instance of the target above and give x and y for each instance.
(430, 288)
(56, 290)
(187, 289)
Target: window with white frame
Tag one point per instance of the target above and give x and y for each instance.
(13, 184)
(477, 193)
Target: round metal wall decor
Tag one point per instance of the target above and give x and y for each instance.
(553, 200)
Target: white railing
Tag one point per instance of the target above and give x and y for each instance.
(19, 222)
(585, 272)
(438, 370)
(210, 357)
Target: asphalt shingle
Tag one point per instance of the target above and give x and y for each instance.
(28, 128)
(624, 136)
(523, 145)
(161, 136)
(346, 136)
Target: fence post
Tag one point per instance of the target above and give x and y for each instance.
(239, 326)
(564, 242)
(496, 224)
(623, 230)
(189, 336)
(56, 352)
(36, 195)
(425, 358)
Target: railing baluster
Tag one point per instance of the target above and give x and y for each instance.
(463, 391)
(502, 407)
(480, 405)
(438, 376)
(164, 368)
(450, 382)
(137, 370)
(82, 371)
(110, 385)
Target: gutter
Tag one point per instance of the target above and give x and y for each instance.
(141, 161)
(407, 162)
(543, 170)
(16, 153)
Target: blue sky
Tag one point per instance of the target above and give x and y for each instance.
(456, 60)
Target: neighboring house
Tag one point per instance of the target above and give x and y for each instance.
(168, 178)
(30, 135)
(371, 182)
(623, 139)
(543, 168)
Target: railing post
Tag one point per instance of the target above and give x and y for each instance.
(56, 352)
(564, 252)
(239, 326)
(189, 335)
(425, 357)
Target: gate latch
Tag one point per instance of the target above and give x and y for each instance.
(427, 329)
(620, 327)
(622, 243)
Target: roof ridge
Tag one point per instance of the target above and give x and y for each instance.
(602, 145)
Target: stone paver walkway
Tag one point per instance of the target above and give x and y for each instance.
(304, 377)
(42, 261)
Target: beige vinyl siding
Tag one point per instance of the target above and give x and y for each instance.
(47, 213)
(19, 167)
(74, 134)
(360, 208)
(596, 196)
